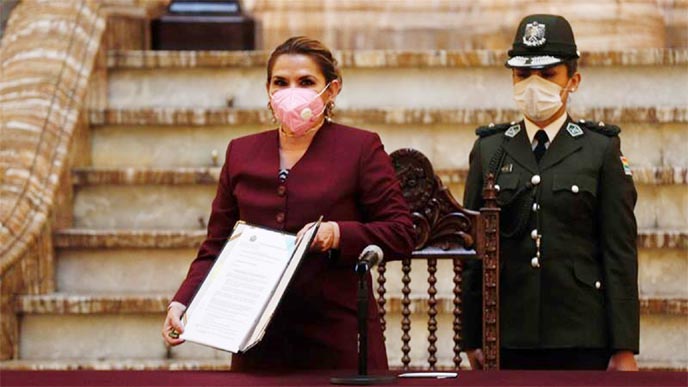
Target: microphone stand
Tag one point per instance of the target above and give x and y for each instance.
(362, 379)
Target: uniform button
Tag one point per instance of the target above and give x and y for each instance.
(535, 180)
(574, 188)
(536, 207)
(535, 262)
(280, 217)
(281, 190)
(534, 234)
(598, 285)
(497, 187)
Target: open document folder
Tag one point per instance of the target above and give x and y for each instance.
(236, 301)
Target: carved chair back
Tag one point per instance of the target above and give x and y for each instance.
(444, 231)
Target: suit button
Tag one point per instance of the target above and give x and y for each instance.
(535, 180)
(535, 262)
(497, 188)
(574, 188)
(280, 217)
(534, 234)
(598, 284)
(281, 190)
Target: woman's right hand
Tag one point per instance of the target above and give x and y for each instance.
(173, 327)
(476, 358)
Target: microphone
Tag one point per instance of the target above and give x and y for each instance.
(370, 256)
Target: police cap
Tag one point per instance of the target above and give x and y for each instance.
(542, 41)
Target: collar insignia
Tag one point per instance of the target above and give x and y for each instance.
(534, 34)
(574, 130)
(513, 131)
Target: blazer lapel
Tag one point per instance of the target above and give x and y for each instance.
(565, 143)
(518, 147)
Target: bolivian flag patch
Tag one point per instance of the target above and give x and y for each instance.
(626, 166)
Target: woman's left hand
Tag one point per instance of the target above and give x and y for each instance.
(622, 361)
(325, 239)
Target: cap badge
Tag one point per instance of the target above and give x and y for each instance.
(534, 35)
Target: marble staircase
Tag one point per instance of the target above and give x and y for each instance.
(145, 168)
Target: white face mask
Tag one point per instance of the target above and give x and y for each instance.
(537, 98)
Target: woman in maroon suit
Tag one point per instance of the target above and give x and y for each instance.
(287, 177)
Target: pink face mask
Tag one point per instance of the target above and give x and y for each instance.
(297, 108)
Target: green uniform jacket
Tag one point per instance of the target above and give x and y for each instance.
(580, 200)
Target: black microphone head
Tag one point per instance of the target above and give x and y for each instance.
(373, 253)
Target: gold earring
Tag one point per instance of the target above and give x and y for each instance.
(272, 113)
(329, 111)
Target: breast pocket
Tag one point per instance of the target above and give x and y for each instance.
(575, 196)
(508, 186)
(515, 202)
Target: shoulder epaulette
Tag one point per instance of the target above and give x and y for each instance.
(491, 129)
(600, 127)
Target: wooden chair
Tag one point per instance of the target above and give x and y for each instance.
(445, 230)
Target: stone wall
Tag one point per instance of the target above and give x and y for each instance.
(46, 57)
(467, 24)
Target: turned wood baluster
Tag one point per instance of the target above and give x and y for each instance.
(458, 311)
(488, 228)
(405, 313)
(432, 313)
(381, 280)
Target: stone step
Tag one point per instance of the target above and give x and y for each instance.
(143, 207)
(452, 24)
(151, 60)
(187, 206)
(121, 270)
(135, 261)
(153, 303)
(53, 325)
(220, 116)
(111, 365)
(651, 136)
(120, 239)
(100, 328)
(209, 175)
(467, 79)
(146, 239)
(221, 365)
(657, 332)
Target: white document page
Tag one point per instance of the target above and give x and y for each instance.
(239, 285)
(301, 249)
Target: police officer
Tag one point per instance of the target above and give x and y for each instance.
(569, 293)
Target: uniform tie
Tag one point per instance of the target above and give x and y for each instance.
(542, 139)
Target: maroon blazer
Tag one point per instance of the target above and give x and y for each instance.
(345, 176)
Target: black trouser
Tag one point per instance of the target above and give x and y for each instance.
(555, 359)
